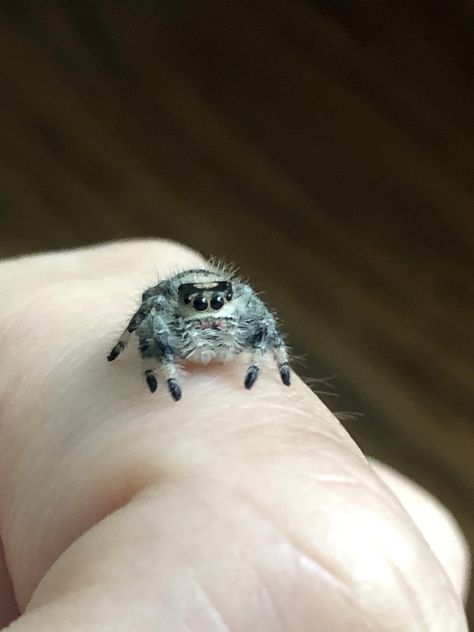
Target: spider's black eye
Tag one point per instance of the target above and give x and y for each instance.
(217, 301)
(200, 303)
(229, 296)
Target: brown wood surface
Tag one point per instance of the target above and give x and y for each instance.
(327, 148)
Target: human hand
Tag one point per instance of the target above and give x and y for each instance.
(229, 510)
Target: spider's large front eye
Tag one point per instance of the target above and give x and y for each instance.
(217, 301)
(200, 303)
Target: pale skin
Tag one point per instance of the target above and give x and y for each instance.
(231, 510)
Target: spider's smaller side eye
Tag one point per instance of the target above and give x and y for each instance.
(200, 303)
(229, 295)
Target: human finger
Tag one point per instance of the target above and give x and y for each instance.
(92, 458)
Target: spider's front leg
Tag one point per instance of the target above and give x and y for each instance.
(267, 337)
(155, 351)
(135, 322)
(258, 346)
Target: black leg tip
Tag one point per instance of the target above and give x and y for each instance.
(175, 389)
(251, 377)
(116, 351)
(151, 381)
(285, 374)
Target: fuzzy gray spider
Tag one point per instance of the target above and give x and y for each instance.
(199, 316)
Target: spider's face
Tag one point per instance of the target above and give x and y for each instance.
(206, 298)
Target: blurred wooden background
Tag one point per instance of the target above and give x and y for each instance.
(326, 147)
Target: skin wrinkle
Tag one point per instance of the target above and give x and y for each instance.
(289, 426)
(265, 517)
(8, 601)
(259, 580)
(16, 529)
(200, 589)
(273, 602)
(258, 511)
(143, 494)
(335, 479)
(408, 589)
(383, 496)
(12, 464)
(341, 582)
(372, 483)
(105, 511)
(266, 452)
(202, 418)
(20, 557)
(71, 457)
(310, 561)
(314, 431)
(384, 493)
(115, 500)
(409, 592)
(290, 410)
(65, 604)
(185, 626)
(429, 514)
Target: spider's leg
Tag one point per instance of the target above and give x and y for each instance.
(280, 353)
(258, 346)
(135, 321)
(252, 373)
(171, 375)
(265, 335)
(151, 380)
(145, 348)
(165, 357)
(119, 346)
(156, 350)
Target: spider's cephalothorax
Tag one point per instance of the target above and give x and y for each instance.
(199, 316)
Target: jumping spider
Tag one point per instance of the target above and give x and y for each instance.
(199, 316)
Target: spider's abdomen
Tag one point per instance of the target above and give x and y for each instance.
(203, 340)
